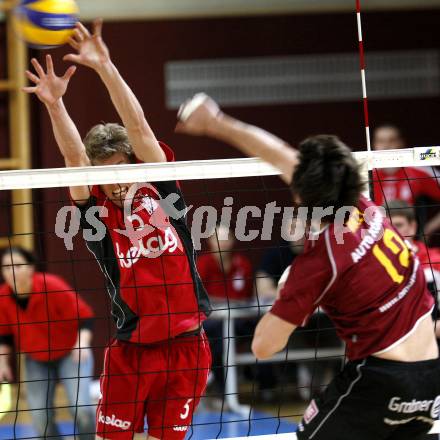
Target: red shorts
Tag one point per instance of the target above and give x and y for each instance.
(162, 382)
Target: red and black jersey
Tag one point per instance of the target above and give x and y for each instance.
(47, 329)
(367, 281)
(148, 260)
(405, 184)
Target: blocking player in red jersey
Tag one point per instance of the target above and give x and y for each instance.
(158, 365)
(358, 269)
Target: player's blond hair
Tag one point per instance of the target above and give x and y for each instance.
(104, 140)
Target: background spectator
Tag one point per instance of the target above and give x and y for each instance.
(227, 275)
(275, 261)
(403, 218)
(410, 184)
(48, 322)
(228, 278)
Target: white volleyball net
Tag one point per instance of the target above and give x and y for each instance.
(245, 398)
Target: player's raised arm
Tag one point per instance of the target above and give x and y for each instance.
(93, 53)
(50, 89)
(203, 117)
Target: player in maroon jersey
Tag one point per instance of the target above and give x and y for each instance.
(369, 283)
(159, 363)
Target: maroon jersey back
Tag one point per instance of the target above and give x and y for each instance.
(364, 277)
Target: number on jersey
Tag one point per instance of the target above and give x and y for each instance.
(397, 246)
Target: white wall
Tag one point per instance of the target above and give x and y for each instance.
(155, 9)
(159, 9)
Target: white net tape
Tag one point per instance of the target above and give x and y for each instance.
(194, 170)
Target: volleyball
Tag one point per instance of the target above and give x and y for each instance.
(45, 23)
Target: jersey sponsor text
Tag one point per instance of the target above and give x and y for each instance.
(180, 428)
(374, 233)
(151, 247)
(113, 421)
(398, 406)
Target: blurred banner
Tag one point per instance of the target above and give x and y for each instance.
(301, 79)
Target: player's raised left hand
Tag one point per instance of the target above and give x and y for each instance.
(91, 49)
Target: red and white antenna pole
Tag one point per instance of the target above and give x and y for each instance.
(362, 66)
(364, 98)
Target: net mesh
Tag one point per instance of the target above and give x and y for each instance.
(245, 398)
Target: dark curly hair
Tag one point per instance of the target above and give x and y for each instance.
(327, 175)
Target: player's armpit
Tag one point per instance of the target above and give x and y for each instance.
(271, 336)
(146, 146)
(79, 194)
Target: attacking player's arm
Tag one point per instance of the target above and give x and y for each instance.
(93, 53)
(50, 89)
(271, 336)
(272, 332)
(208, 120)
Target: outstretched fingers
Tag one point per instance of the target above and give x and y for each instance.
(49, 65)
(78, 36)
(38, 68)
(83, 30)
(73, 43)
(73, 58)
(97, 27)
(69, 73)
(32, 77)
(29, 89)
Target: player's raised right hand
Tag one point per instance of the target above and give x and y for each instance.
(90, 47)
(48, 86)
(198, 115)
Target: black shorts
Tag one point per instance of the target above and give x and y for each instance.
(375, 399)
